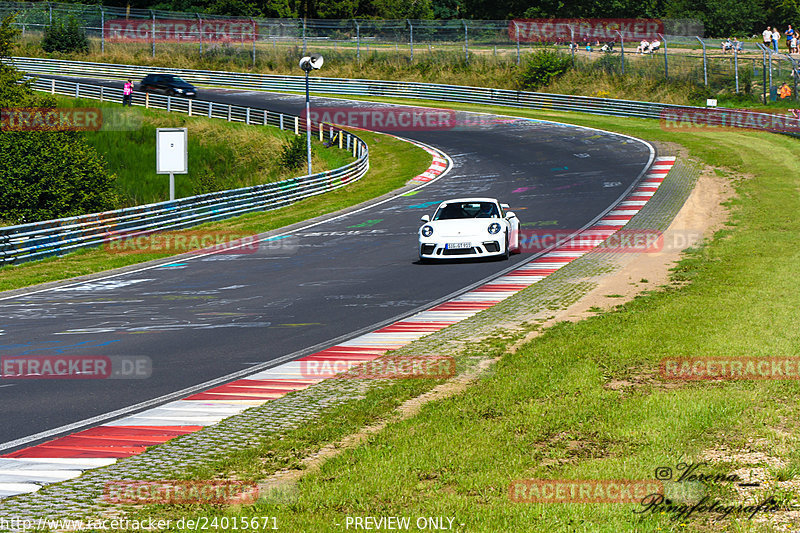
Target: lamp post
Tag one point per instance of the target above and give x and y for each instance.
(309, 63)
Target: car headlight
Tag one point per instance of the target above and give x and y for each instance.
(427, 231)
(177, 90)
(494, 227)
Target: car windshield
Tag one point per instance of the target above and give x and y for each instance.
(458, 210)
(173, 79)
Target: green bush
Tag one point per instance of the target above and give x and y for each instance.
(46, 175)
(543, 67)
(65, 36)
(293, 154)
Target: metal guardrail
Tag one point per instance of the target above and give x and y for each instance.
(37, 240)
(355, 87)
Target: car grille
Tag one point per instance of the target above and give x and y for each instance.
(459, 251)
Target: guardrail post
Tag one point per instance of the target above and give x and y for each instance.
(190, 107)
(146, 100)
(280, 121)
(77, 90)
(321, 132)
(705, 65)
(341, 140)
(153, 36)
(247, 115)
(229, 112)
(296, 126)
(666, 64)
(101, 93)
(210, 107)
(53, 87)
(265, 117)
(169, 103)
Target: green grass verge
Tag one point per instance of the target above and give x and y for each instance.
(222, 155)
(547, 412)
(392, 164)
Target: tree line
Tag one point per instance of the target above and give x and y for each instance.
(721, 18)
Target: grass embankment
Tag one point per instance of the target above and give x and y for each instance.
(547, 411)
(596, 73)
(392, 164)
(222, 155)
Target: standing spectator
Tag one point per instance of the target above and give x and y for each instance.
(767, 35)
(776, 37)
(793, 44)
(789, 34)
(127, 93)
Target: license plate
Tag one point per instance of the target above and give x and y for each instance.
(457, 245)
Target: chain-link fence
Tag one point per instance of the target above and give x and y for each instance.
(720, 65)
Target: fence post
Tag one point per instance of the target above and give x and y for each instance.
(169, 102)
(229, 112)
(516, 30)
(190, 106)
(622, 50)
(466, 42)
(77, 90)
(50, 6)
(764, 73)
(705, 65)
(200, 28)
(666, 63)
(153, 44)
(53, 87)
(255, 31)
(411, 37)
(736, 65)
(102, 31)
(247, 116)
(101, 93)
(358, 40)
(304, 36)
(572, 44)
(210, 108)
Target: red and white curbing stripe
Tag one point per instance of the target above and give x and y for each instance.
(28, 469)
(438, 165)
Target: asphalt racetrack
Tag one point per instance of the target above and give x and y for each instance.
(210, 316)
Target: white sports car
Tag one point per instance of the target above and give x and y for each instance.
(469, 227)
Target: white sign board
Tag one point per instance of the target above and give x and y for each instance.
(711, 102)
(171, 151)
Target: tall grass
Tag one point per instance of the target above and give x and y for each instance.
(222, 155)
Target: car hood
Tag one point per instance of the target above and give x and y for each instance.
(183, 85)
(463, 227)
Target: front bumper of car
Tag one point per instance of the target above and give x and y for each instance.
(489, 247)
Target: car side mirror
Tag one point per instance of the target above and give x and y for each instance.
(504, 206)
(425, 218)
(510, 214)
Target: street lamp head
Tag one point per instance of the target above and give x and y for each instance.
(312, 62)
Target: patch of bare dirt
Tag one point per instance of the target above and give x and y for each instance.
(701, 215)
